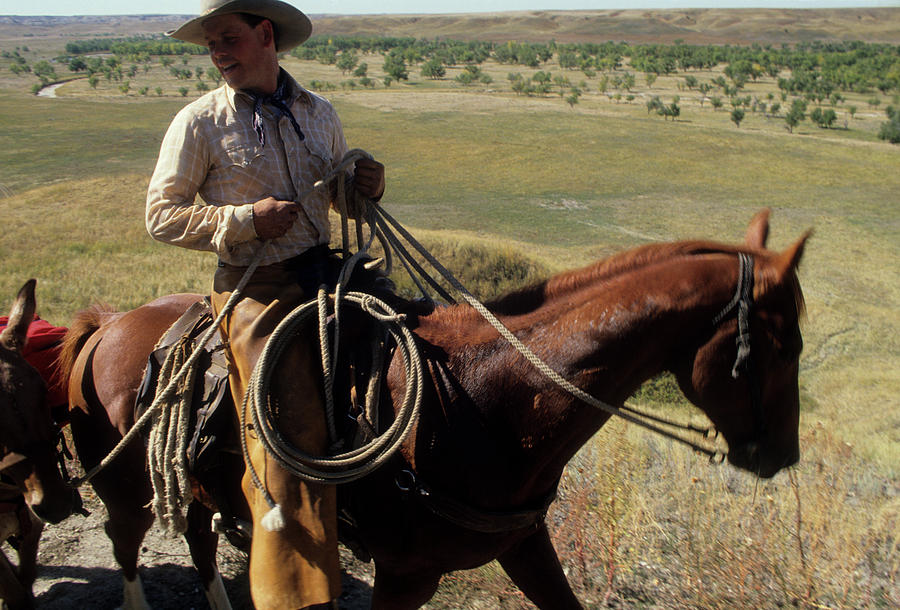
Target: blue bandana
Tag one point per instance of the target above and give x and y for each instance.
(279, 101)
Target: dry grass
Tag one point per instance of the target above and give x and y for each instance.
(642, 524)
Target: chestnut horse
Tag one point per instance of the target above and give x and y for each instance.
(473, 480)
(29, 473)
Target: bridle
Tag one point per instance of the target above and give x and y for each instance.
(56, 447)
(743, 363)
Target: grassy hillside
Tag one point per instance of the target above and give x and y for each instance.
(694, 26)
(639, 521)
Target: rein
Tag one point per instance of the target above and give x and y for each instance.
(383, 222)
(382, 226)
(743, 363)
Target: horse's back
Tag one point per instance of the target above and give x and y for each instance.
(110, 365)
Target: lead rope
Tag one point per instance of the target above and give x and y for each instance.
(355, 464)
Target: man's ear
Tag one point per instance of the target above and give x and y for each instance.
(268, 32)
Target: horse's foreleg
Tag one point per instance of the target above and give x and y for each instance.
(202, 542)
(399, 591)
(28, 550)
(533, 566)
(12, 593)
(129, 520)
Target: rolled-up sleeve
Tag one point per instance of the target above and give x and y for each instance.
(174, 215)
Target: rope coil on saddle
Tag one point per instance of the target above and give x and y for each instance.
(167, 445)
(354, 464)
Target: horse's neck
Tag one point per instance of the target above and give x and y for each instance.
(618, 333)
(607, 338)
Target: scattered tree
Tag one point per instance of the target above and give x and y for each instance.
(890, 131)
(796, 114)
(823, 118)
(395, 66)
(433, 69)
(347, 62)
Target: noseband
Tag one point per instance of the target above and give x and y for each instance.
(743, 363)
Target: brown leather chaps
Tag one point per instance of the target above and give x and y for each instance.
(298, 566)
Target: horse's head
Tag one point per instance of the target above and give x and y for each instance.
(744, 373)
(27, 433)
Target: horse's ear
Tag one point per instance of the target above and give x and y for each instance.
(758, 231)
(788, 260)
(14, 335)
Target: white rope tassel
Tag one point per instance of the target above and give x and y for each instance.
(274, 521)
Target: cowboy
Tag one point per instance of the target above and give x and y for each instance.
(249, 149)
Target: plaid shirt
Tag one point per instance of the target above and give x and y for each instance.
(212, 150)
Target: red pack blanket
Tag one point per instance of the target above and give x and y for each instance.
(41, 352)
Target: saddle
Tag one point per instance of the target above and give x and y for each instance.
(212, 402)
(213, 450)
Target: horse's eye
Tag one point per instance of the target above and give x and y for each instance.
(787, 348)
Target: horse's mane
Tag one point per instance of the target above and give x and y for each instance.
(527, 299)
(85, 324)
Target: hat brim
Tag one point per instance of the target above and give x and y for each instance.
(293, 27)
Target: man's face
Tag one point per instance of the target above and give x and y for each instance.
(243, 54)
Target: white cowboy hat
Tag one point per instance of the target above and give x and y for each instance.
(291, 25)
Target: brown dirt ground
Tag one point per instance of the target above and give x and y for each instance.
(76, 569)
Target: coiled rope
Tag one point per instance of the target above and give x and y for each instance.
(167, 444)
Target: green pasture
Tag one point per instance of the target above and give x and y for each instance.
(564, 186)
(559, 186)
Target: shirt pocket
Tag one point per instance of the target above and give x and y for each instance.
(238, 159)
(316, 159)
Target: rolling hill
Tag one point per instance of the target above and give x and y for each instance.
(693, 26)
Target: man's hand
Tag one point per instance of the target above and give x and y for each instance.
(272, 218)
(369, 179)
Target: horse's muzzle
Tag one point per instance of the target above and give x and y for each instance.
(60, 509)
(761, 461)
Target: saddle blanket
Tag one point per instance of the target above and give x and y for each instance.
(42, 352)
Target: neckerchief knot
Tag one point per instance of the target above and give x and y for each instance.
(277, 100)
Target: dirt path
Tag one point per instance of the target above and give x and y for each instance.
(76, 569)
